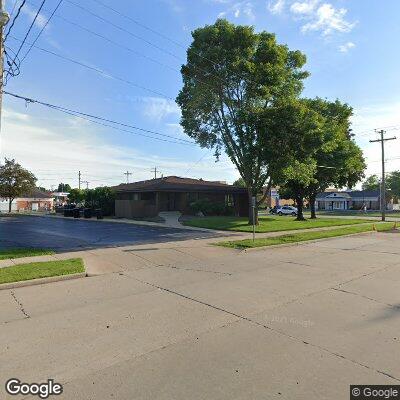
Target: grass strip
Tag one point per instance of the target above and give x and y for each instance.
(269, 224)
(23, 252)
(24, 272)
(305, 236)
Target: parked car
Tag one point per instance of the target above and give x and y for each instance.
(287, 210)
(274, 210)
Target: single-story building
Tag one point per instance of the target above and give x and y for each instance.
(36, 200)
(350, 200)
(172, 193)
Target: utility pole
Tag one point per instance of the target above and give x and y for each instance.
(79, 180)
(155, 172)
(127, 173)
(87, 184)
(382, 140)
(3, 21)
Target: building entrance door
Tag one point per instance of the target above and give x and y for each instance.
(171, 201)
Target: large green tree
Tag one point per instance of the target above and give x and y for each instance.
(15, 181)
(64, 187)
(339, 159)
(326, 155)
(233, 82)
(371, 183)
(393, 183)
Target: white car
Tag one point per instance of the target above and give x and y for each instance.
(287, 210)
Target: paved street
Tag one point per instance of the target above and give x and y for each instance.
(68, 234)
(186, 320)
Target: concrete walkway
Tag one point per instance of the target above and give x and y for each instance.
(186, 320)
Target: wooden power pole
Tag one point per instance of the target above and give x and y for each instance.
(382, 141)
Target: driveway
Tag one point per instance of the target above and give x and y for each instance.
(186, 320)
(68, 234)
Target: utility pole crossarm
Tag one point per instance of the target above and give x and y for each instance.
(127, 173)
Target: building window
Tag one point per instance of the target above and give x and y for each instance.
(228, 200)
(135, 196)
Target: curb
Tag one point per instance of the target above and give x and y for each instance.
(302, 242)
(41, 281)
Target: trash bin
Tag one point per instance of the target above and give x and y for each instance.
(99, 213)
(87, 213)
(68, 212)
(77, 213)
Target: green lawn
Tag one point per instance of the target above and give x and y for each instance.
(304, 236)
(395, 214)
(268, 224)
(17, 253)
(24, 272)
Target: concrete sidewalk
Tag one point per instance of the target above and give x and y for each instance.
(187, 320)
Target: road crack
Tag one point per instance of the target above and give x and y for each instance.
(20, 305)
(270, 328)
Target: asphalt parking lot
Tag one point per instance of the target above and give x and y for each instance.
(68, 234)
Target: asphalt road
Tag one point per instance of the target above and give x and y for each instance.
(69, 234)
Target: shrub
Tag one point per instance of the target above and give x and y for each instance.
(209, 208)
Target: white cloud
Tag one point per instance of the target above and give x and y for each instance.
(327, 20)
(304, 7)
(55, 148)
(315, 15)
(40, 20)
(158, 108)
(344, 48)
(237, 9)
(276, 7)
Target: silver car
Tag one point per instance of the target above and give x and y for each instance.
(287, 210)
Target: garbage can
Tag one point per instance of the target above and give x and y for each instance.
(68, 212)
(77, 212)
(87, 213)
(99, 213)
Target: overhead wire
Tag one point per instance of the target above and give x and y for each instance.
(15, 18)
(100, 72)
(102, 120)
(27, 33)
(41, 31)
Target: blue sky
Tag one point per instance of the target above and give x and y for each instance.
(352, 50)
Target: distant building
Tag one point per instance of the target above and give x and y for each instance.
(60, 198)
(35, 200)
(350, 200)
(173, 193)
(273, 198)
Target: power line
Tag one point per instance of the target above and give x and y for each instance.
(99, 71)
(41, 31)
(92, 32)
(27, 33)
(123, 29)
(13, 8)
(15, 18)
(162, 35)
(92, 118)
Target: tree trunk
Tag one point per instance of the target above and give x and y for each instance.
(250, 193)
(300, 206)
(9, 205)
(312, 206)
